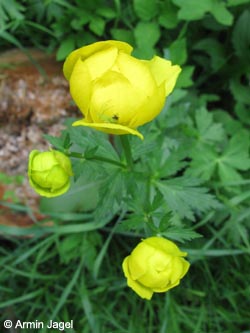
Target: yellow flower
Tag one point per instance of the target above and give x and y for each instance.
(116, 92)
(49, 172)
(155, 265)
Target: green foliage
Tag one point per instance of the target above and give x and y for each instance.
(145, 10)
(182, 196)
(194, 10)
(189, 181)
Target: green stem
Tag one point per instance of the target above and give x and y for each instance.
(127, 150)
(96, 158)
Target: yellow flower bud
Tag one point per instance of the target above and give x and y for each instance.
(49, 172)
(116, 92)
(155, 265)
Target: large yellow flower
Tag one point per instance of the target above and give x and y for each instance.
(116, 92)
(155, 265)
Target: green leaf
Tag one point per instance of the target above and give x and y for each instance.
(82, 17)
(147, 34)
(13, 9)
(192, 9)
(220, 12)
(178, 51)
(203, 164)
(145, 10)
(185, 78)
(195, 10)
(227, 173)
(145, 53)
(168, 15)
(236, 2)
(87, 139)
(57, 142)
(208, 131)
(65, 48)
(106, 12)
(68, 247)
(241, 36)
(97, 25)
(167, 160)
(240, 91)
(184, 196)
(82, 196)
(243, 112)
(237, 152)
(123, 35)
(215, 50)
(230, 124)
(180, 234)
(235, 157)
(111, 193)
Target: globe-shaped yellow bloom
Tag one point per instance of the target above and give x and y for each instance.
(116, 92)
(49, 172)
(155, 265)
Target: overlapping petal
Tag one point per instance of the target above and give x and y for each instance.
(141, 290)
(164, 72)
(49, 172)
(81, 87)
(112, 88)
(155, 265)
(86, 51)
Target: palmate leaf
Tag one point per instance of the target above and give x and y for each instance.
(145, 10)
(184, 196)
(111, 195)
(208, 130)
(195, 10)
(241, 38)
(237, 151)
(215, 50)
(204, 163)
(180, 234)
(235, 157)
(168, 15)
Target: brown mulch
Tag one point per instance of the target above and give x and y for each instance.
(31, 104)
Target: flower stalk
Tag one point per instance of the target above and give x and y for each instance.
(127, 151)
(95, 158)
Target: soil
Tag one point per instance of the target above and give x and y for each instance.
(34, 100)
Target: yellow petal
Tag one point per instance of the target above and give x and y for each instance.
(166, 288)
(176, 269)
(154, 280)
(179, 268)
(99, 62)
(80, 87)
(115, 100)
(163, 71)
(186, 266)
(141, 290)
(42, 161)
(138, 263)
(86, 51)
(109, 128)
(150, 108)
(158, 271)
(164, 245)
(137, 73)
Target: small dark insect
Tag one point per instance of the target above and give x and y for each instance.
(115, 117)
